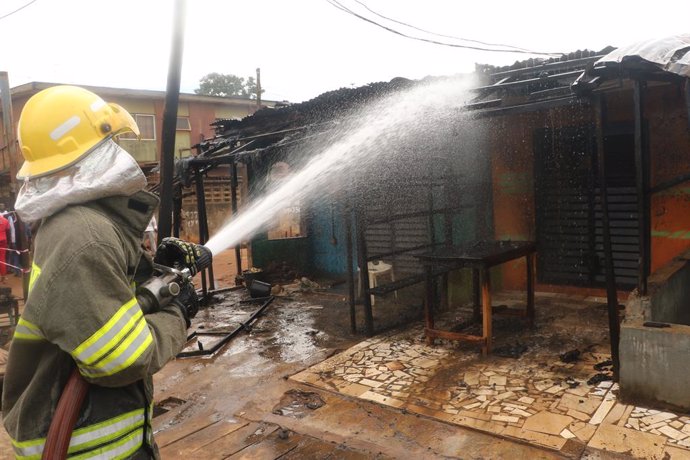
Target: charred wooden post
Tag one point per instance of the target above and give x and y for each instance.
(611, 292)
(172, 97)
(177, 210)
(487, 325)
(642, 176)
(233, 200)
(347, 217)
(429, 302)
(203, 225)
(364, 272)
(531, 265)
(687, 98)
(476, 296)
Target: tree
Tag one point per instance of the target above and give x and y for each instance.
(219, 84)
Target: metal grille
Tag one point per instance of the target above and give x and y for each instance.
(569, 218)
(409, 233)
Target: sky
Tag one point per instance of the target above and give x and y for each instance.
(305, 47)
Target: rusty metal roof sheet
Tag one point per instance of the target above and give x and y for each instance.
(669, 54)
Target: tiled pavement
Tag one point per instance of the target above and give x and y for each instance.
(534, 399)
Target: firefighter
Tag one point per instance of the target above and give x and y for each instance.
(88, 195)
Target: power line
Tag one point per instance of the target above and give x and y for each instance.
(434, 33)
(341, 7)
(17, 10)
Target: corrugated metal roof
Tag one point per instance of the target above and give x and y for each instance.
(669, 54)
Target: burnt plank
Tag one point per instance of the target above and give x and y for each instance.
(234, 442)
(317, 449)
(184, 428)
(270, 448)
(184, 447)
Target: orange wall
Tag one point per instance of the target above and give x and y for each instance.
(513, 188)
(200, 117)
(669, 139)
(512, 164)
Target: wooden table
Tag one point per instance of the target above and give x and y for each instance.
(479, 256)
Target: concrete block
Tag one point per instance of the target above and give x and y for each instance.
(654, 363)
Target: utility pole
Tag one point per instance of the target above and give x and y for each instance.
(258, 88)
(172, 98)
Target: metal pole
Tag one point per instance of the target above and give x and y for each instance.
(233, 200)
(642, 171)
(430, 203)
(167, 161)
(611, 292)
(347, 216)
(203, 224)
(364, 272)
(177, 210)
(449, 187)
(258, 88)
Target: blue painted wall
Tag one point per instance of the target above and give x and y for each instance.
(294, 251)
(327, 244)
(321, 252)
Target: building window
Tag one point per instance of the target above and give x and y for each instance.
(147, 127)
(289, 220)
(183, 124)
(288, 225)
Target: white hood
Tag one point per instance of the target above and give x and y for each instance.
(107, 171)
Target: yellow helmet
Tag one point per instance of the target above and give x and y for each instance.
(60, 125)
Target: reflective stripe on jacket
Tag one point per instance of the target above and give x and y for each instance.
(81, 310)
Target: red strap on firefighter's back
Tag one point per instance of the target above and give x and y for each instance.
(66, 414)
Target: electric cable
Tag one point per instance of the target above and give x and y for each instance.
(340, 6)
(437, 34)
(17, 10)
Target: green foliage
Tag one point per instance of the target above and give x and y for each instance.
(218, 84)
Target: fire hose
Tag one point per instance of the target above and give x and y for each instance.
(152, 295)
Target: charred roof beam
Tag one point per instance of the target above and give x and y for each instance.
(530, 107)
(550, 67)
(530, 81)
(490, 90)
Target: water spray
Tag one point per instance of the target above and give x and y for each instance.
(358, 144)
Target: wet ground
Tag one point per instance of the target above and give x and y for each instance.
(297, 384)
(549, 386)
(246, 389)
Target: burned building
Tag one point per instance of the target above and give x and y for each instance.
(585, 156)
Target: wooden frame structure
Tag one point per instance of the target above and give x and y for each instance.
(479, 257)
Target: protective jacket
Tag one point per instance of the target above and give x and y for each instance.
(81, 311)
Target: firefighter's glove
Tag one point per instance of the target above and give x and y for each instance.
(188, 302)
(177, 253)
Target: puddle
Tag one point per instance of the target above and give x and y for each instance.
(298, 403)
(292, 335)
(167, 405)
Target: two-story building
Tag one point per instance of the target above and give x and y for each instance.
(194, 117)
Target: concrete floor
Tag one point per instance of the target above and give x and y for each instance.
(301, 386)
(277, 391)
(247, 386)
